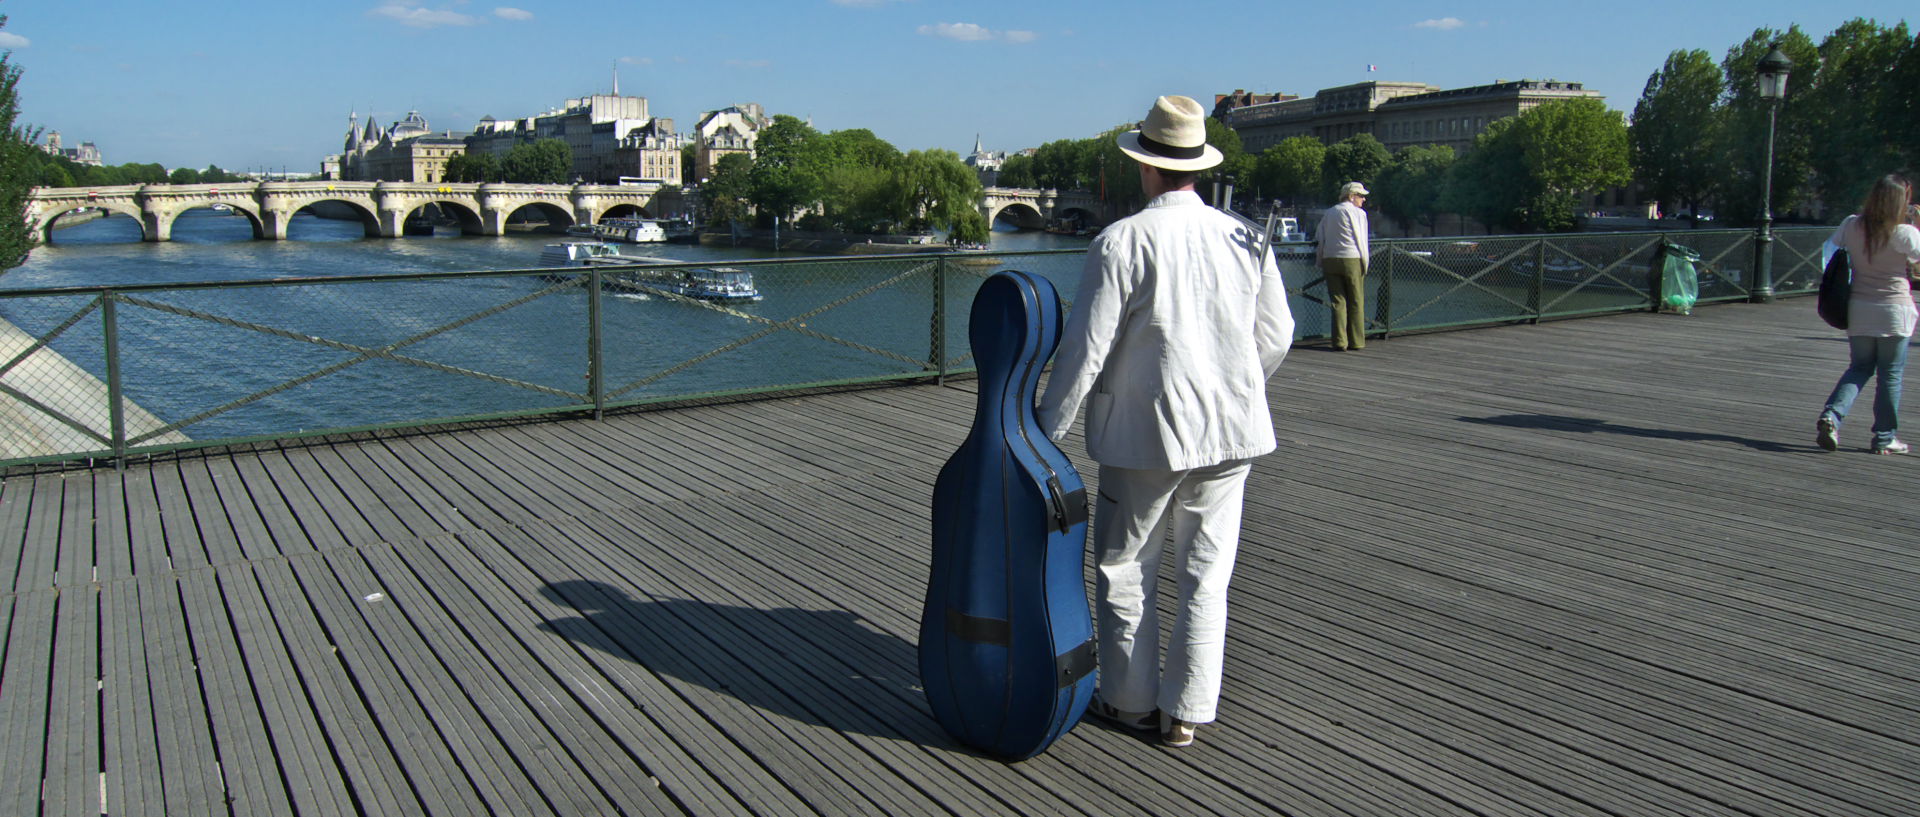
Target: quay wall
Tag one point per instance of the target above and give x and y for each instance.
(64, 390)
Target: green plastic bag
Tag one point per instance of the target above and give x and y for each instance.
(1679, 281)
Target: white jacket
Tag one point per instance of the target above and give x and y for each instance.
(1173, 334)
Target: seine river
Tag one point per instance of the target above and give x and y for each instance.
(201, 356)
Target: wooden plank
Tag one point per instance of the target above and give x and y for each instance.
(471, 736)
(75, 564)
(307, 507)
(73, 713)
(40, 549)
(594, 733)
(370, 771)
(304, 757)
(277, 515)
(253, 537)
(348, 517)
(185, 550)
(192, 782)
(132, 772)
(113, 545)
(146, 538)
(348, 461)
(216, 530)
(24, 700)
(377, 509)
(431, 764)
(371, 458)
(16, 502)
(536, 724)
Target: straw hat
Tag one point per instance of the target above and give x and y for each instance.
(1353, 188)
(1174, 136)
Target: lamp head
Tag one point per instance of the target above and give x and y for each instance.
(1773, 70)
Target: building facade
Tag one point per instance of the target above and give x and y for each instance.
(985, 163)
(1398, 114)
(407, 151)
(728, 130)
(85, 154)
(612, 138)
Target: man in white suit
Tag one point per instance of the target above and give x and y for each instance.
(1180, 318)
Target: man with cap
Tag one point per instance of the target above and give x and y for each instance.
(1342, 253)
(1180, 318)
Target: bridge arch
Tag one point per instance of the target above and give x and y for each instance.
(622, 211)
(1020, 214)
(340, 209)
(43, 229)
(462, 212)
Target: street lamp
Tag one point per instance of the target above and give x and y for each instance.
(1773, 70)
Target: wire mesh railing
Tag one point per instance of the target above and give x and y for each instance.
(105, 372)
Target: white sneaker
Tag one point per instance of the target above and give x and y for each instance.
(1176, 732)
(1136, 721)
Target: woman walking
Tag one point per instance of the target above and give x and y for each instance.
(1880, 315)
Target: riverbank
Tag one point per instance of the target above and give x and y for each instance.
(821, 243)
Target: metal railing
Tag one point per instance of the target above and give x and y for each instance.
(108, 372)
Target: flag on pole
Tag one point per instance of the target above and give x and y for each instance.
(1371, 67)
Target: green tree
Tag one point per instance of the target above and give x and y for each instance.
(546, 161)
(1490, 183)
(1409, 189)
(1858, 77)
(1290, 171)
(1571, 146)
(1743, 153)
(214, 175)
(787, 171)
(184, 175)
(1236, 166)
(1676, 127)
(1066, 164)
(935, 189)
(1357, 158)
(16, 147)
(1901, 113)
(474, 168)
(1017, 171)
(689, 157)
(970, 227)
(726, 195)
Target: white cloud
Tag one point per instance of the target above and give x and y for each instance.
(971, 32)
(13, 41)
(419, 17)
(1441, 23)
(636, 60)
(511, 13)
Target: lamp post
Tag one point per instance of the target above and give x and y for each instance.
(1773, 70)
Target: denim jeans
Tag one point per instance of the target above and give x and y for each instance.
(1881, 358)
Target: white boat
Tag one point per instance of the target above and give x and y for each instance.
(726, 284)
(1286, 230)
(583, 254)
(632, 230)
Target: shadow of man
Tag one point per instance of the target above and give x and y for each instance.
(824, 667)
(1590, 425)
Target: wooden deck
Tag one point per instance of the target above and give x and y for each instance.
(1592, 567)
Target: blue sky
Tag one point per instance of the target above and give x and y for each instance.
(269, 84)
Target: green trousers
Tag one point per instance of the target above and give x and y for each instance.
(1347, 297)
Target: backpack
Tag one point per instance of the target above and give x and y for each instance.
(1836, 288)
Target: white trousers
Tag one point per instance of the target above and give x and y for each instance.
(1203, 506)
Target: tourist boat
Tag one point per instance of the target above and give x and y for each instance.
(583, 254)
(632, 230)
(724, 284)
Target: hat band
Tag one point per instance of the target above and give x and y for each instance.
(1171, 151)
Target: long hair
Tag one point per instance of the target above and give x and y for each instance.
(1884, 209)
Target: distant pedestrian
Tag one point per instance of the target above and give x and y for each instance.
(1880, 315)
(1174, 332)
(1342, 253)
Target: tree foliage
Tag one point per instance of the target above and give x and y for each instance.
(1675, 128)
(787, 171)
(16, 167)
(1357, 158)
(1857, 81)
(1017, 171)
(726, 195)
(1490, 183)
(1409, 189)
(1744, 136)
(1290, 171)
(545, 161)
(1571, 146)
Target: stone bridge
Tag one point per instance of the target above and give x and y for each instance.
(1034, 209)
(383, 207)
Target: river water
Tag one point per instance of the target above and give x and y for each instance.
(200, 357)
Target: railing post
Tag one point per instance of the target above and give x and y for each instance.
(1385, 310)
(116, 416)
(938, 343)
(1537, 288)
(596, 372)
